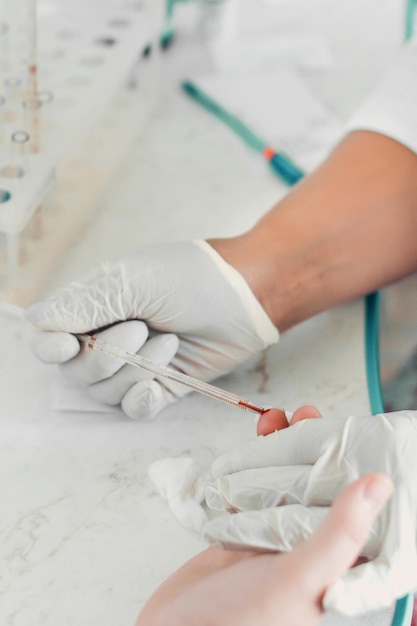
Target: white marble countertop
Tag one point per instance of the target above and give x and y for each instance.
(83, 537)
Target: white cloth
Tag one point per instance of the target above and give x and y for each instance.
(391, 108)
(181, 482)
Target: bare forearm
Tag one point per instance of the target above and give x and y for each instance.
(347, 229)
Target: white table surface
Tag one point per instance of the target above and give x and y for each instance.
(83, 537)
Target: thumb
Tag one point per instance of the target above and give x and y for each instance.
(336, 544)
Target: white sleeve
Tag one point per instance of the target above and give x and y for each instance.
(391, 109)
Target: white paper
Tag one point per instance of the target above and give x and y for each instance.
(280, 109)
(307, 52)
(66, 395)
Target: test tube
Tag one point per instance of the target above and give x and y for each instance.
(33, 44)
(11, 170)
(20, 141)
(33, 103)
(46, 98)
(2, 122)
(12, 252)
(32, 107)
(15, 166)
(4, 47)
(35, 226)
(13, 88)
(218, 21)
(51, 199)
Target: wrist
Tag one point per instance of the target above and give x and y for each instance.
(282, 280)
(345, 230)
(254, 259)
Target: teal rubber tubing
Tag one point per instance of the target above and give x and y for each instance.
(280, 164)
(373, 374)
(404, 606)
(286, 169)
(410, 11)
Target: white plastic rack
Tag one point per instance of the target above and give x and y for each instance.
(64, 67)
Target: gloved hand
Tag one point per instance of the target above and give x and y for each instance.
(304, 467)
(195, 311)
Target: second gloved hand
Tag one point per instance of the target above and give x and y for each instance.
(179, 304)
(280, 488)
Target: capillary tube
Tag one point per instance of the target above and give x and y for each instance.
(93, 343)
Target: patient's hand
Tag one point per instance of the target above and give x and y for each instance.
(222, 587)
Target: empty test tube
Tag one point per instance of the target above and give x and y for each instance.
(20, 141)
(13, 89)
(2, 122)
(4, 47)
(32, 107)
(46, 98)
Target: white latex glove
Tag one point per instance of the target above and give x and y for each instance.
(304, 467)
(200, 314)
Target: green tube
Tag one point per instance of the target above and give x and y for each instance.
(410, 11)
(404, 606)
(279, 162)
(372, 352)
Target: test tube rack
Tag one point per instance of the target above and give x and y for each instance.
(75, 79)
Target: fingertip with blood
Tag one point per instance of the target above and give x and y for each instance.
(270, 421)
(276, 419)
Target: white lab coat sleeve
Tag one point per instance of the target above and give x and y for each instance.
(391, 108)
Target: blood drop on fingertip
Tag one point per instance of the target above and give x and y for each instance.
(270, 421)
